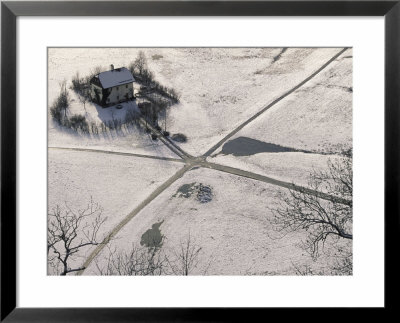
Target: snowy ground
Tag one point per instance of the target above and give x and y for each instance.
(134, 141)
(117, 183)
(292, 167)
(62, 65)
(235, 236)
(316, 117)
(226, 86)
(220, 88)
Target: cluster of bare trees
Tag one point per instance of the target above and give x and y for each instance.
(322, 220)
(185, 258)
(60, 105)
(140, 70)
(138, 261)
(79, 123)
(81, 85)
(182, 260)
(71, 232)
(59, 112)
(158, 97)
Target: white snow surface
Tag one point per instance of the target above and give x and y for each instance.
(233, 229)
(130, 140)
(63, 64)
(133, 142)
(316, 117)
(117, 183)
(292, 167)
(219, 87)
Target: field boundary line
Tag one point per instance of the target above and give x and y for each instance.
(120, 153)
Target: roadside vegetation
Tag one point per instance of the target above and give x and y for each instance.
(182, 260)
(149, 85)
(71, 231)
(327, 224)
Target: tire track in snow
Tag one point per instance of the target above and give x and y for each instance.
(273, 181)
(131, 215)
(117, 153)
(240, 127)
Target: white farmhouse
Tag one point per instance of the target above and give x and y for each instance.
(112, 87)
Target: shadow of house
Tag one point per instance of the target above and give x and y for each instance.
(112, 87)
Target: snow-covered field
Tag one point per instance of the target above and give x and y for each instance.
(220, 88)
(232, 229)
(136, 142)
(117, 183)
(292, 167)
(316, 117)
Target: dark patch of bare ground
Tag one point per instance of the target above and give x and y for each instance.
(202, 192)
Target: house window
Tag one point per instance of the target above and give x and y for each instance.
(126, 86)
(118, 97)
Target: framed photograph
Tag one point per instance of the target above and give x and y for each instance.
(187, 159)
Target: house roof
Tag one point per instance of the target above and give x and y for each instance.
(115, 77)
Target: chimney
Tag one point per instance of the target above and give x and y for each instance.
(112, 67)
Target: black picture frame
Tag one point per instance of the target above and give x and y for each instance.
(9, 13)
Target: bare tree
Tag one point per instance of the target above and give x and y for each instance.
(138, 261)
(95, 71)
(320, 219)
(140, 64)
(185, 257)
(145, 261)
(83, 97)
(343, 264)
(70, 231)
(63, 99)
